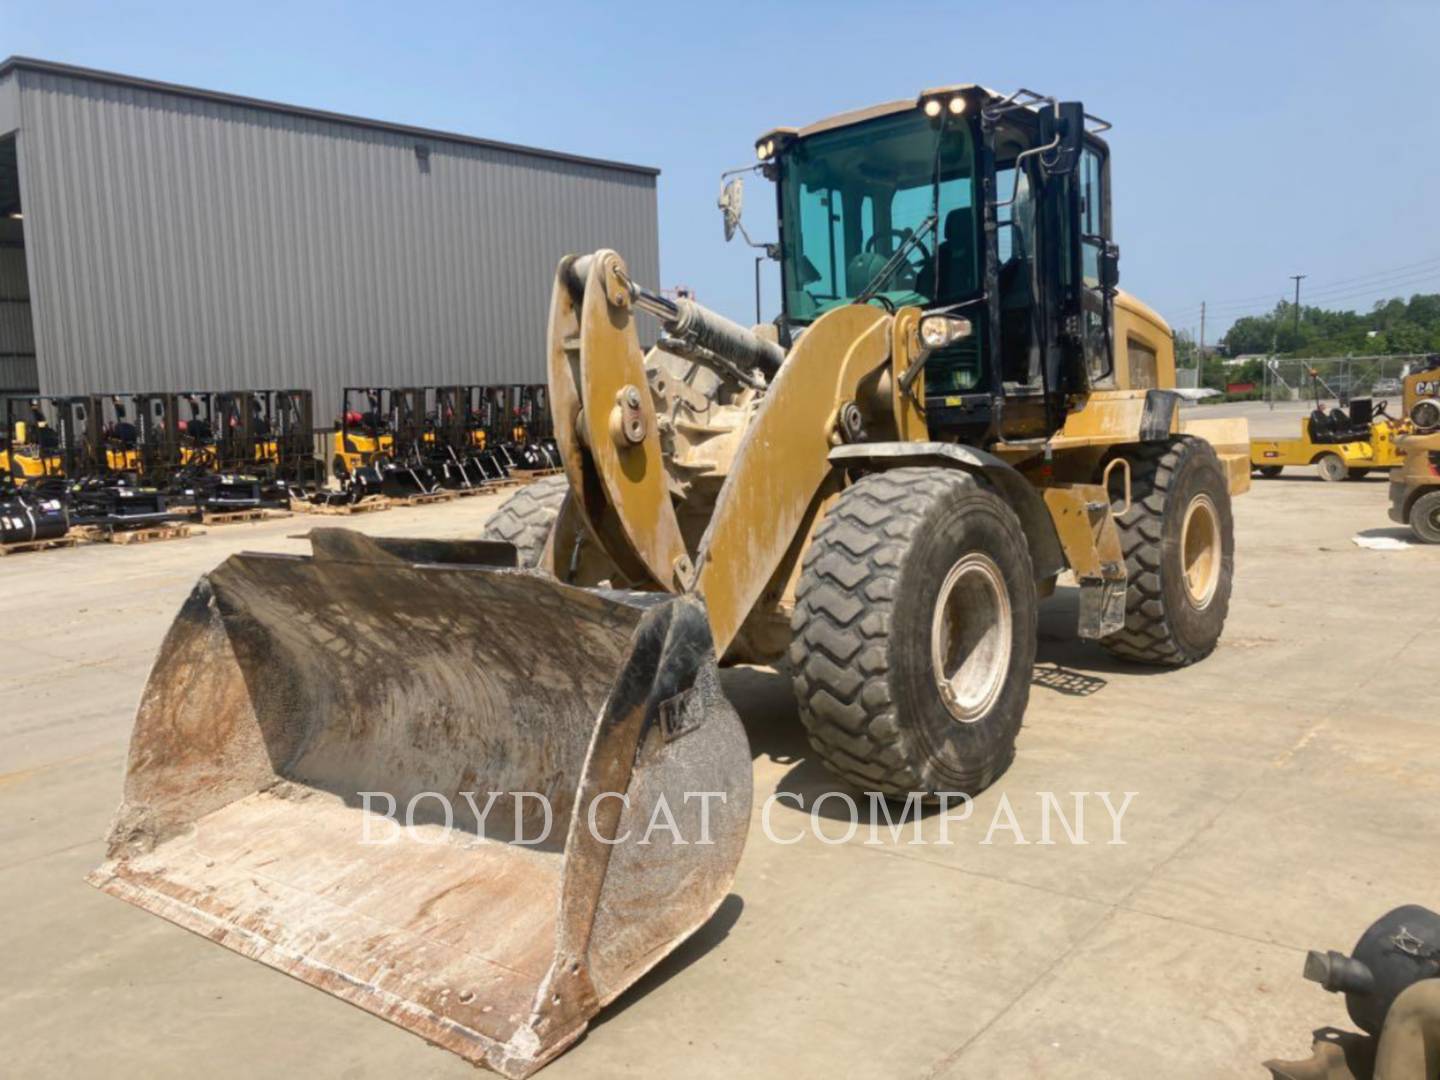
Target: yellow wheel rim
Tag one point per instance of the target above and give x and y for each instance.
(1200, 552)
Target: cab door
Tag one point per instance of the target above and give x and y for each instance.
(1093, 269)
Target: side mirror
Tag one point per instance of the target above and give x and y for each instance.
(1069, 126)
(1110, 267)
(731, 202)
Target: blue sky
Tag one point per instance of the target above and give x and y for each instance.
(1252, 140)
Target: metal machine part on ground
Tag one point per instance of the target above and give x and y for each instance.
(956, 407)
(1391, 983)
(27, 515)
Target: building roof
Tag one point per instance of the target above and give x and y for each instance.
(25, 63)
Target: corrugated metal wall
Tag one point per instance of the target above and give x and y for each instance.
(179, 242)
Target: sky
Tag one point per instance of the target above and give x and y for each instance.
(1252, 141)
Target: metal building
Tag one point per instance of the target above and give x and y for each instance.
(157, 237)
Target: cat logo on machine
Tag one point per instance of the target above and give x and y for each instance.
(1427, 387)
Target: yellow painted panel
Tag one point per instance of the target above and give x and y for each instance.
(783, 461)
(632, 475)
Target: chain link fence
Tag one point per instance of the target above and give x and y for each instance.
(1340, 377)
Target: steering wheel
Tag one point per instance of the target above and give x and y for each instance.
(905, 275)
(1380, 410)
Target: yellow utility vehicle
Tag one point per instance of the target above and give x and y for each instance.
(1415, 487)
(956, 408)
(1342, 444)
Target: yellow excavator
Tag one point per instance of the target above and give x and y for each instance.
(480, 787)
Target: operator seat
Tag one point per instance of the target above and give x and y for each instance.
(954, 259)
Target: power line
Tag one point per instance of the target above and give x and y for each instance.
(1375, 281)
(1331, 295)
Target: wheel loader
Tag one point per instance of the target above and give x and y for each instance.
(956, 407)
(1415, 486)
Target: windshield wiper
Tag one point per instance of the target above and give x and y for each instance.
(894, 262)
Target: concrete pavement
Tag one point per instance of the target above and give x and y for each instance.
(1286, 795)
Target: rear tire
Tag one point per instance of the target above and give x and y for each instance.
(1179, 543)
(1425, 517)
(1331, 468)
(526, 518)
(1271, 471)
(870, 630)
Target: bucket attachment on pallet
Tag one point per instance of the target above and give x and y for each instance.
(296, 700)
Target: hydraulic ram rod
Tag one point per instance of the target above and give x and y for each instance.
(699, 326)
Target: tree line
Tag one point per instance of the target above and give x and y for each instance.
(1392, 327)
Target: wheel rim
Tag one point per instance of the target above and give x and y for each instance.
(1200, 551)
(970, 637)
(1332, 467)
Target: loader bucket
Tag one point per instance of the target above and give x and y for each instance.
(295, 696)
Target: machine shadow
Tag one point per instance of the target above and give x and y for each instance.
(692, 949)
(765, 701)
(1394, 532)
(1066, 663)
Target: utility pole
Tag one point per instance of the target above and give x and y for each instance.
(1297, 278)
(1200, 356)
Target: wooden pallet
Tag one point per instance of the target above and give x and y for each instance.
(69, 540)
(236, 517)
(105, 534)
(527, 476)
(422, 500)
(364, 506)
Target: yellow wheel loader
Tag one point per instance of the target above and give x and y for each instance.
(1415, 486)
(479, 788)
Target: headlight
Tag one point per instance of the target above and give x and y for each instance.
(957, 105)
(932, 107)
(1425, 414)
(938, 331)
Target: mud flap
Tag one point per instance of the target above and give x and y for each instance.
(300, 706)
(1102, 606)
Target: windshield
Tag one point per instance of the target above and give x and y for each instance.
(851, 197)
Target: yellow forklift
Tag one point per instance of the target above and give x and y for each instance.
(1344, 443)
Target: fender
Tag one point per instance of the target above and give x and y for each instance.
(1046, 553)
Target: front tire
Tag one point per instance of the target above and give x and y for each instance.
(1331, 468)
(1179, 542)
(914, 634)
(1425, 517)
(1269, 472)
(526, 518)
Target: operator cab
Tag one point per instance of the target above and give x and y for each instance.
(992, 210)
